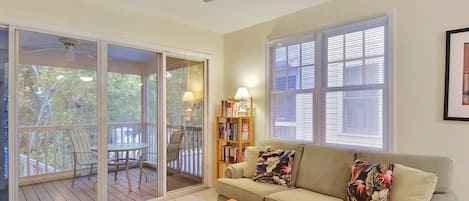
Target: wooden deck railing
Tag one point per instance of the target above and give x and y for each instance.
(47, 149)
(190, 155)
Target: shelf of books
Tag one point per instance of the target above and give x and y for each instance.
(234, 130)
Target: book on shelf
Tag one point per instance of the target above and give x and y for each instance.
(245, 131)
(228, 130)
(231, 108)
(230, 153)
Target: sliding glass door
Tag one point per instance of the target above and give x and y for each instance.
(4, 114)
(185, 96)
(152, 118)
(56, 104)
(132, 83)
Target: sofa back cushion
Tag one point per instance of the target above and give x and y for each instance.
(287, 146)
(250, 158)
(325, 170)
(442, 167)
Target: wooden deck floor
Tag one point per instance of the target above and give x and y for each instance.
(84, 189)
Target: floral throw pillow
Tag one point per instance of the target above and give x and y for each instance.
(370, 181)
(274, 166)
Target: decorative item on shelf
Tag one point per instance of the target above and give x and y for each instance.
(242, 94)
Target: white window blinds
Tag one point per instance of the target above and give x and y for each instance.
(355, 63)
(352, 92)
(293, 73)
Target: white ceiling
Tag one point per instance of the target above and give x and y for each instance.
(220, 16)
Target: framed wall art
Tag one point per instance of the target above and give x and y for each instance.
(457, 75)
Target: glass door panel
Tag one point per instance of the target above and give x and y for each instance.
(132, 123)
(56, 106)
(4, 114)
(185, 115)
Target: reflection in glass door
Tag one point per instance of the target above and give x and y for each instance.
(4, 114)
(132, 123)
(185, 122)
(56, 104)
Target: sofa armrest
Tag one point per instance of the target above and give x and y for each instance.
(235, 171)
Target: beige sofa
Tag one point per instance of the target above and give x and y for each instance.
(322, 173)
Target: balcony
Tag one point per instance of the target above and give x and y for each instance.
(46, 161)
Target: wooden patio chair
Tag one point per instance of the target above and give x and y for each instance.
(172, 154)
(82, 154)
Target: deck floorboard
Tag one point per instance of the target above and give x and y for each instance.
(84, 188)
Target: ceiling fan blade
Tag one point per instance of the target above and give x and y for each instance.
(86, 52)
(40, 50)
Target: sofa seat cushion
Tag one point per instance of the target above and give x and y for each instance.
(299, 194)
(245, 189)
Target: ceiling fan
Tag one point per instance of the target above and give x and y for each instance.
(69, 48)
(72, 48)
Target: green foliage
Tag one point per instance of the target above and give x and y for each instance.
(152, 98)
(124, 97)
(55, 96)
(176, 85)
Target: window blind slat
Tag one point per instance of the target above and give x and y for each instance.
(307, 53)
(280, 58)
(294, 55)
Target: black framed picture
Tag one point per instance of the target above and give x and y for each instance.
(457, 75)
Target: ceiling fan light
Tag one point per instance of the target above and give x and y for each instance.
(169, 75)
(86, 78)
(69, 53)
(69, 44)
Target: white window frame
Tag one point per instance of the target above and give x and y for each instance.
(285, 42)
(319, 91)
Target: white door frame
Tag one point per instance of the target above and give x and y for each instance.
(206, 142)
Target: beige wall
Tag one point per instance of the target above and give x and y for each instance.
(419, 47)
(77, 16)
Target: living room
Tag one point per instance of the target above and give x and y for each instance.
(239, 58)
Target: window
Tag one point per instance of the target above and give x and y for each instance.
(294, 75)
(348, 104)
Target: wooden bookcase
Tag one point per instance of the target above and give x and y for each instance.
(234, 131)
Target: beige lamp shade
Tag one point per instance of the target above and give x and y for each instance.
(242, 93)
(188, 96)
